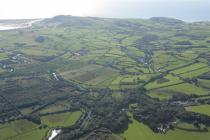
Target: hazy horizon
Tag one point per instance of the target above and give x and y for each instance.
(187, 10)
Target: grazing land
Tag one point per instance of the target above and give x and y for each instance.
(138, 131)
(21, 129)
(59, 120)
(203, 109)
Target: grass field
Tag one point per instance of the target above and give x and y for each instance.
(61, 120)
(26, 110)
(189, 68)
(37, 134)
(3, 56)
(139, 131)
(39, 52)
(21, 130)
(2, 70)
(186, 88)
(26, 130)
(90, 74)
(203, 109)
(163, 82)
(59, 106)
(204, 83)
(161, 95)
(195, 73)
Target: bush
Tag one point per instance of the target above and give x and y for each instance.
(184, 43)
(40, 39)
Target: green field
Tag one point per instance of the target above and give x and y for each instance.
(160, 95)
(90, 74)
(58, 106)
(24, 130)
(164, 82)
(204, 83)
(139, 131)
(203, 109)
(3, 56)
(61, 120)
(186, 88)
(21, 129)
(189, 68)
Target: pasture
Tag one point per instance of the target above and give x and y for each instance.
(61, 119)
(203, 109)
(21, 129)
(138, 131)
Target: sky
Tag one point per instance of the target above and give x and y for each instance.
(188, 10)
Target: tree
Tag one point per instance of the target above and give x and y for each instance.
(40, 39)
(196, 124)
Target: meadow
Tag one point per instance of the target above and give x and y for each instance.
(203, 109)
(21, 129)
(24, 129)
(137, 131)
(61, 120)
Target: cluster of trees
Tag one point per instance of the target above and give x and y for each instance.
(205, 76)
(195, 118)
(161, 116)
(147, 39)
(184, 43)
(40, 39)
(35, 118)
(144, 43)
(33, 92)
(20, 45)
(8, 115)
(7, 111)
(107, 111)
(102, 111)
